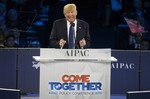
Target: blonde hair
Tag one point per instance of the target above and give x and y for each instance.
(70, 7)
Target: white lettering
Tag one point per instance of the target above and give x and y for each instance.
(122, 65)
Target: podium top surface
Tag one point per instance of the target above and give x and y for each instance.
(96, 55)
(37, 58)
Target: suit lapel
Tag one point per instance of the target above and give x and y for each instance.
(64, 30)
(78, 30)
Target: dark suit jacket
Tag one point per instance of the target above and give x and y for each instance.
(59, 31)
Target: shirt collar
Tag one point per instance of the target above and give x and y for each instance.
(68, 23)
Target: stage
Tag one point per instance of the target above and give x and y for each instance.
(36, 96)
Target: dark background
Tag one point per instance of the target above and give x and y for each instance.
(36, 18)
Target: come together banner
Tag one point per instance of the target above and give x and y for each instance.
(75, 74)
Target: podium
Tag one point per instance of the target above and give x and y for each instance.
(75, 73)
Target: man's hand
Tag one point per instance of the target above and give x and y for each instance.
(82, 43)
(62, 42)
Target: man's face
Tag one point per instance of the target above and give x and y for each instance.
(70, 15)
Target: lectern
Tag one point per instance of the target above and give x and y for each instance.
(75, 73)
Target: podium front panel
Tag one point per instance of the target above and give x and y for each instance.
(75, 79)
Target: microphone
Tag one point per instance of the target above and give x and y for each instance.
(61, 47)
(62, 41)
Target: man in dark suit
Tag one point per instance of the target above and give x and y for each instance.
(59, 37)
